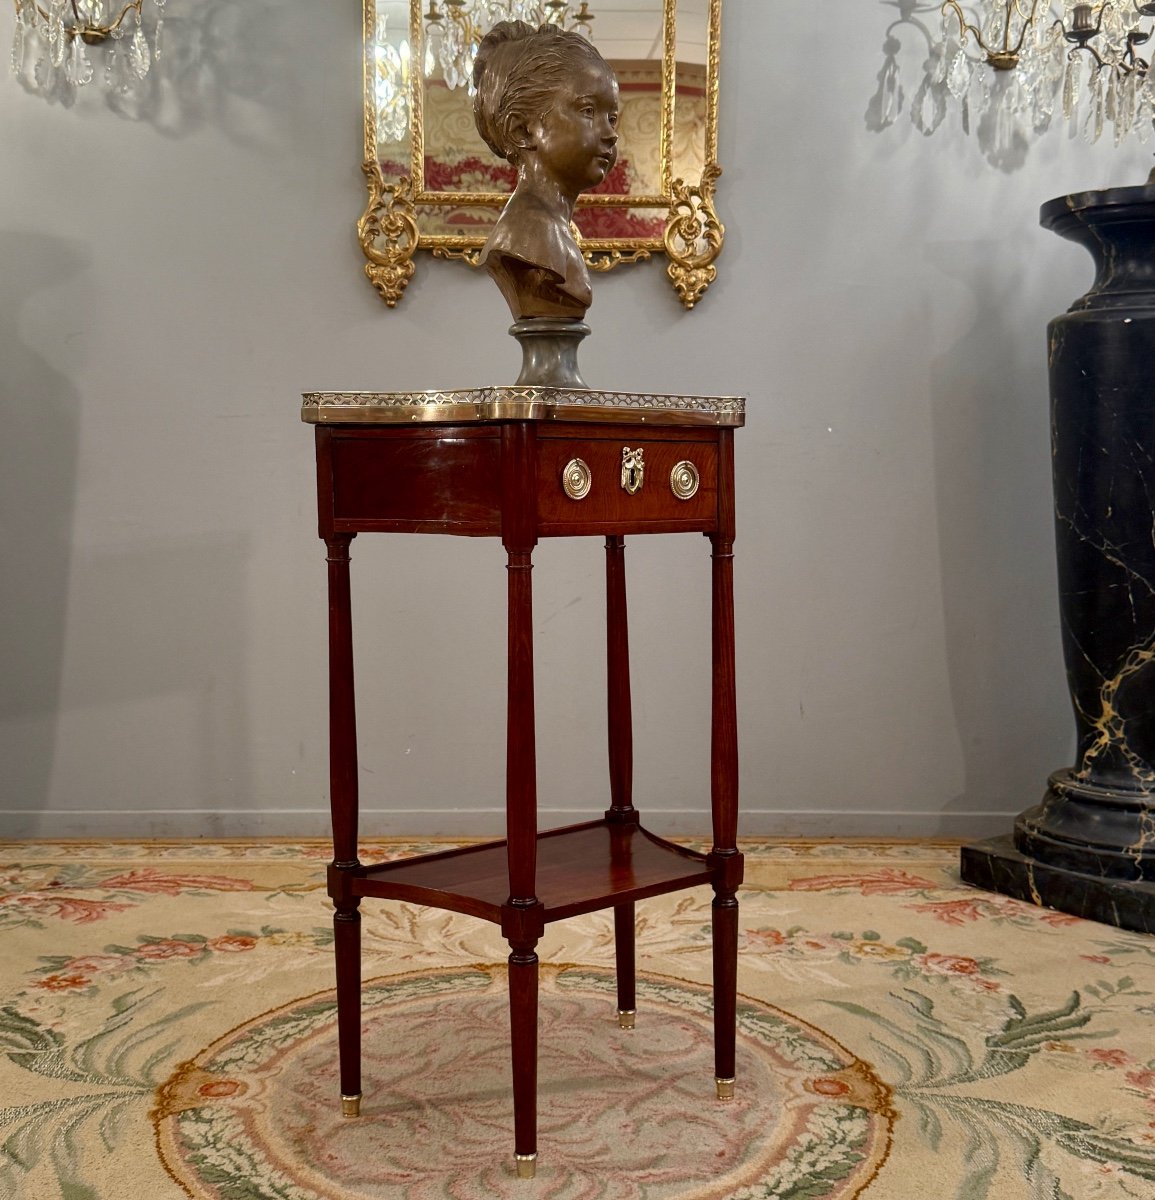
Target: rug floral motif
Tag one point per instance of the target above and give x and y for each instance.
(258, 1106)
(167, 1030)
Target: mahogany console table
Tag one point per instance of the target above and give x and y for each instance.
(522, 463)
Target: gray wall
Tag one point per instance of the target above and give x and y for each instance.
(172, 282)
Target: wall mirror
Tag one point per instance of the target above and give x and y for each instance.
(434, 185)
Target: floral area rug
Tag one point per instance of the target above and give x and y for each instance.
(168, 1030)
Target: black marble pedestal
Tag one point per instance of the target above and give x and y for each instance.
(998, 867)
(1089, 846)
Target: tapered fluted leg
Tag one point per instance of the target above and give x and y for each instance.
(624, 951)
(725, 857)
(621, 753)
(347, 948)
(522, 922)
(523, 964)
(343, 801)
(724, 927)
(619, 710)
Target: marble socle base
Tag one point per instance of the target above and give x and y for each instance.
(1088, 847)
(997, 866)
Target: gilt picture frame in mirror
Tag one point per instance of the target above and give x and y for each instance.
(435, 186)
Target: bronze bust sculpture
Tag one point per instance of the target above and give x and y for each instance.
(548, 103)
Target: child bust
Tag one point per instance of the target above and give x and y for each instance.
(548, 103)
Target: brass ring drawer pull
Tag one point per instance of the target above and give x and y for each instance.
(684, 480)
(576, 479)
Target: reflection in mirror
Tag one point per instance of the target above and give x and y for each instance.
(435, 184)
(689, 152)
(693, 237)
(392, 82)
(630, 37)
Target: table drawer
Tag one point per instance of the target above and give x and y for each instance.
(442, 479)
(628, 483)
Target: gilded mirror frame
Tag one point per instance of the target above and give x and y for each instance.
(391, 228)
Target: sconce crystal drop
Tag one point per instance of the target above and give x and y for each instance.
(391, 85)
(55, 41)
(1010, 67)
(454, 29)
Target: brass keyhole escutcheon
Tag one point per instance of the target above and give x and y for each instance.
(633, 470)
(576, 479)
(684, 480)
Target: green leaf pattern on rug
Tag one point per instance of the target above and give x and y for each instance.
(947, 1014)
(933, 1064)
(120, 1063)
(120, 1060)
(821, 1158)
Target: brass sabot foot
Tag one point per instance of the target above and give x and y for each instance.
(725, 1088)
(351, 1105)
(627, 1018)
(526, 1165)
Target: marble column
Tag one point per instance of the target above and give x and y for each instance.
(1088, 847)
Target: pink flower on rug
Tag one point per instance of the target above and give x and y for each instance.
(92, 964)
(148, 879)
(888, 881)
(232, 943)
(170, 948)
(59, 983)
(827, 1087)
(69, 908)
(952, 912)
(768, 938)
(956, 965)
(1144, 1079)
(219, 1088)
(1112, 1058)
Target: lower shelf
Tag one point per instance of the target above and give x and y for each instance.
(579, 869)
